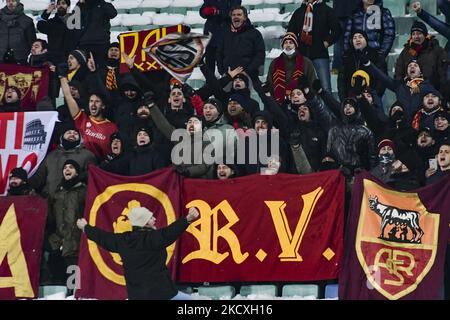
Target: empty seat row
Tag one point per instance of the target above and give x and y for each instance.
(268, 291)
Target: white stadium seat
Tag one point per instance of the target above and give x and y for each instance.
(135, 19)
(156, 4)
(187, 3)
(167, 19)
(126, 4)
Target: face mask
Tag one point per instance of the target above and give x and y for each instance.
(113, 62)
(289, 52)
(386, 158)
(67, 145)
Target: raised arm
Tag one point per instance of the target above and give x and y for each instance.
(106, 240)
(71, 102)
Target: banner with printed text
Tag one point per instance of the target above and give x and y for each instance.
(264, 228)
(33, 83)
(395, 242)
(256, 228)
(24, 141)
(21, 234)
(133, 43)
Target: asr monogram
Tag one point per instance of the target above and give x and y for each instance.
(207, 232)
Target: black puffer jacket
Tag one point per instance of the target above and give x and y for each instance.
(143, 252)
(351, 142)
(244, 48)
(16, 32)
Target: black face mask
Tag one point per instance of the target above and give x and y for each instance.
(67, 184)
(397, 117)
(67, 145)
(328, 165)
(19, 190)
(112, 62)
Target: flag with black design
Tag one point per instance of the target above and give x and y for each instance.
(179, 53)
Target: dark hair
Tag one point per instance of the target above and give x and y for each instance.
(244, 9)
(44, 43)
(66, 1)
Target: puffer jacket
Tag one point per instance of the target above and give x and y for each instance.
(378, 24)
(65, 207)
(244, 48)
(352, 143)
(17, 32)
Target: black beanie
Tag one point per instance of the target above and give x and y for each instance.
(216, 103)
(80, 55)
(114, 136)
(242, 100)
(419, 26)
(19, 94)
(19, 173)
(243, 77)
(114, 45)
(266, 116)
(74, 164)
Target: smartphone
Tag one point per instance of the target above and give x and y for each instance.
(433, 164)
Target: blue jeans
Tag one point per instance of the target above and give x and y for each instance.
(182, 296)
(322, 67)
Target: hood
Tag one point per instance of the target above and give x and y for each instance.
(128, 82)
(352, 119)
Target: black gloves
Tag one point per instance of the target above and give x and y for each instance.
(364, 59)
(62, 70)
(148, 98)
(187, 90)
(359, 85)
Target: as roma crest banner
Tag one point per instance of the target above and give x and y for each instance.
(21, 234)
(179, 53)
(24, 141)
(109, 198)
(264, 228)
(133, 43)
(395, 241)
(32, 82)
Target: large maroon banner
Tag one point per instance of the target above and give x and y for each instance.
(264, 228)
(133, 43)
(395, 242)
(21, 234)
(32, 82)
(109, 198)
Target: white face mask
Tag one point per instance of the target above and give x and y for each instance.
(289, 52)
